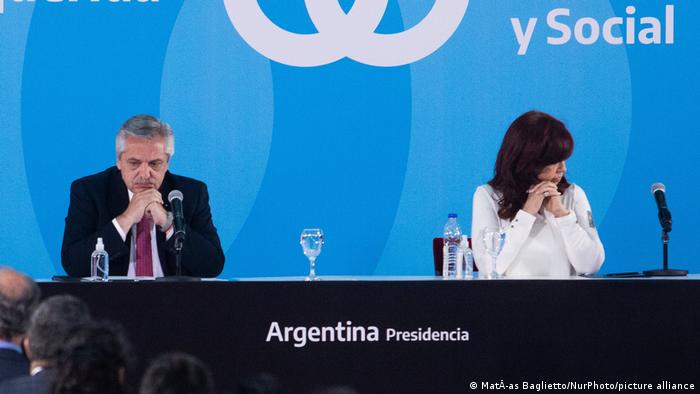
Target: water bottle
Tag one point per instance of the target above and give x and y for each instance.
(451, 250)
(99, 262)
(468, 260)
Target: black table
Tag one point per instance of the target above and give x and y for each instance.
(621, 331)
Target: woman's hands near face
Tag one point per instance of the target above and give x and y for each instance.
(544, 192)
(553, 204)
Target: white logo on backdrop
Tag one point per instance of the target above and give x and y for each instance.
(346, 35)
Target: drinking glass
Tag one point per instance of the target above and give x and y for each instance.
(494, 238)
(311, 242)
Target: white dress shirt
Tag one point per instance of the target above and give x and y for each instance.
(157, 269)
(539, 245)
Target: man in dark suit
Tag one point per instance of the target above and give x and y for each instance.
(51, 325)
(19, 295)
(126, 206)
(39, 383)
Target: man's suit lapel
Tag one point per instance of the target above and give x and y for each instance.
(165, 188)
(117, 201)
(118, 196)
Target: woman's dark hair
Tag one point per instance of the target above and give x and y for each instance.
(533, 141)
(177, 373)
(94, 361)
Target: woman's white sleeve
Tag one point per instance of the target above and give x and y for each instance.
(583, 245)
(485, 214)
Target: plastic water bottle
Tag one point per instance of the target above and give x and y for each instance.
(468, 260)
(99, 262)
(451, 250)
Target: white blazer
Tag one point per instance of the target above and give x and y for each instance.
(539, 245)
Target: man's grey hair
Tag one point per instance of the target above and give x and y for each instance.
(146, 127)
(52, 324)
(19, 295)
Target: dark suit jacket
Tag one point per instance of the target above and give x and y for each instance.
(12, 364)
(97, 199)
(37, 384)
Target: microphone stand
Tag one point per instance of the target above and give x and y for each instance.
(665, 271)
(178, 277)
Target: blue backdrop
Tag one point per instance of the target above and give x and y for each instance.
(376, 156)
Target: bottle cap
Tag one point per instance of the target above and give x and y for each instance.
(451, 215)
(100, 246)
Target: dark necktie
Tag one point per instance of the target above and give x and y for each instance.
(144, 254)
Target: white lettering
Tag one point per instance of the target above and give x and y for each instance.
(607, 31)
(427, 335)
(314, 333)
(630, 10)
(358, 334)
(345, 332)
(327, 334)
(373, 334)
(587, 30)
(525, 37)
(341, 332)
(274, 331)
(594, 31)
(652, 34)
(670, 24)
(299, 336)
(561, 27)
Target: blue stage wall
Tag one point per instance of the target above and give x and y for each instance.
(375, 154)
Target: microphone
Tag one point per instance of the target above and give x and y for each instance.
(659, 192)
(175, 198)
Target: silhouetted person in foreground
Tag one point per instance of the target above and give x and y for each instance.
(19, 295)
(50, 328)
(177, 373)
(94, 361)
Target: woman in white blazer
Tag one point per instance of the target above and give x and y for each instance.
(548, 223)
